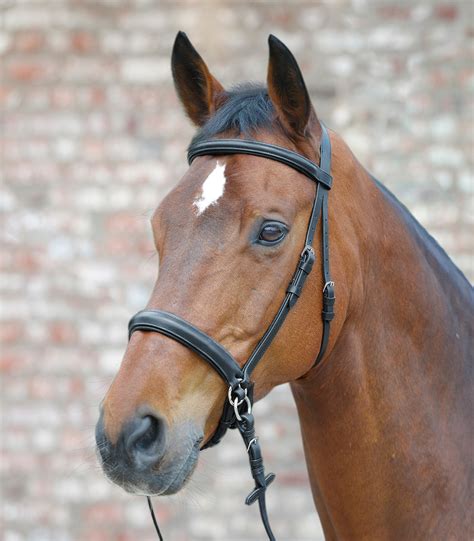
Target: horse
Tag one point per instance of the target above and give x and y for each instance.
(385, 412)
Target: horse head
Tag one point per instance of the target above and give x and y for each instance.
(228, 236)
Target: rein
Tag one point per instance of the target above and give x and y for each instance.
(237, 411)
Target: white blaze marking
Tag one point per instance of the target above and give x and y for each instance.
(212, 189)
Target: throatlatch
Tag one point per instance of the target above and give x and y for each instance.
(237, 411)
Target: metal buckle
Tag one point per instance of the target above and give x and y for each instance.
(307, 259)
(327, 284)
(307, 250)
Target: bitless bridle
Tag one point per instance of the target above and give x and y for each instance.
(237, 411)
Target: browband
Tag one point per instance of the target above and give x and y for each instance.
(220, 147)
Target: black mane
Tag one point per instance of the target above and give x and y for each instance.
(247, 108)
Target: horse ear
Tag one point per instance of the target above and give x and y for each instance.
(197, 89)
(287, 89)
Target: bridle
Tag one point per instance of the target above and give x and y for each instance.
(237, 411)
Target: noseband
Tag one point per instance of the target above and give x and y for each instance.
(237, 411)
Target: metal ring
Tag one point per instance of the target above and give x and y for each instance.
(236, 405)
(231, 390)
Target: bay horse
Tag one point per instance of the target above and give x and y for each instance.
(385, 413)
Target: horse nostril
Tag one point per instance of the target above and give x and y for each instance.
(145, 440)
(149, 431)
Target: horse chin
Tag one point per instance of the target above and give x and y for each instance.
(172, 481)
(182, 477)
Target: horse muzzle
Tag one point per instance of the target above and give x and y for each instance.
(147, 457)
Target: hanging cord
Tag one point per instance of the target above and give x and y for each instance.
(263, 513)
(153, 517)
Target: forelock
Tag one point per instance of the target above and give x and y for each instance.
(247, 109)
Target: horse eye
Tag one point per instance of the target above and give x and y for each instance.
(272, 233)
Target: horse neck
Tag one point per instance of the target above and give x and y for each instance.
(380, 415)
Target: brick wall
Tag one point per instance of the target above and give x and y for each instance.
(93, 137)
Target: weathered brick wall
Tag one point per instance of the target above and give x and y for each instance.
(93, 137)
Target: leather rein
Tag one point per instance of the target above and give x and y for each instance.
(237, 411)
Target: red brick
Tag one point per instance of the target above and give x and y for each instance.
(104, 512)
(29, 42)
(11, 362)
(83, 42)
(26, 71)
(28, 261)
(395, 11)
(62, 332)
(447, 12)
(63, 97)
(42, 387)
(11, 331)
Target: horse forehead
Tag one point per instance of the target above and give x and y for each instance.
(212, 189)
(218, 186)
(212, 182)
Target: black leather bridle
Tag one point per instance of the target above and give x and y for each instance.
(237, 411)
